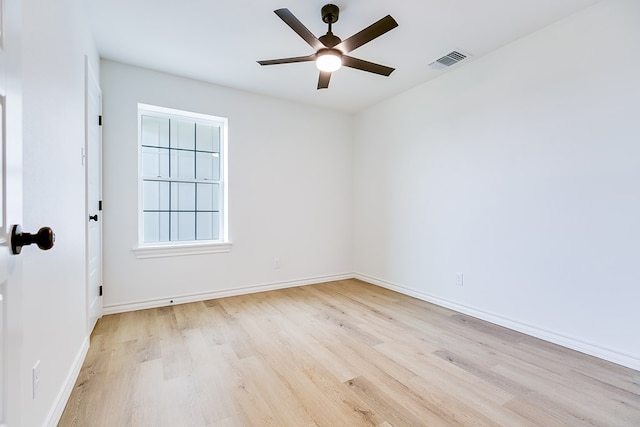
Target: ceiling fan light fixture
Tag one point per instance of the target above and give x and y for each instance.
(329, 60)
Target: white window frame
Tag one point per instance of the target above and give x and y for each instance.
(181, 248)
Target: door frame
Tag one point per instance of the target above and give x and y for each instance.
(94, 305)
(11, 384)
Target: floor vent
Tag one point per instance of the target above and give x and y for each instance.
(448, 60)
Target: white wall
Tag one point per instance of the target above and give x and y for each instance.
(520, 169)
(290, 193)
(55, 42)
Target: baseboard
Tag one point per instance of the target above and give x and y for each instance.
(565, 341)
(65, 392)
(182, 299)
(592, 349)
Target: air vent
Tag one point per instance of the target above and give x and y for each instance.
(448, 60)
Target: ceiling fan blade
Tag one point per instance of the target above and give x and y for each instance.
(323, 80)
(299, 28)
(288, 60)
(360, 64)
(365, 36)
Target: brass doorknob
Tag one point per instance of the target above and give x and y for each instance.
(44, 238)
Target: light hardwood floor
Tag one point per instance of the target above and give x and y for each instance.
(337, 354)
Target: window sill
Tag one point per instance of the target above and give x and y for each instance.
(179, 249)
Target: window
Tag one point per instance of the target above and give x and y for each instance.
(182, 179)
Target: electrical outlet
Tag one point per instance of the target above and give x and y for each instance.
(276, 263)
(459, 279)
(36, 378)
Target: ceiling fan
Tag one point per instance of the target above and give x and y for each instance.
(331, 51)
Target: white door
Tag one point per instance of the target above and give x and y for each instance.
(10, 212)
(93, 170)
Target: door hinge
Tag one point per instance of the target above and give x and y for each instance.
(100, 205)
(100, 290)
(100, 120)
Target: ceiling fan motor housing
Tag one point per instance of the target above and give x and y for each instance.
(330, 40)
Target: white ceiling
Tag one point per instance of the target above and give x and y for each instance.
(219, 41)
